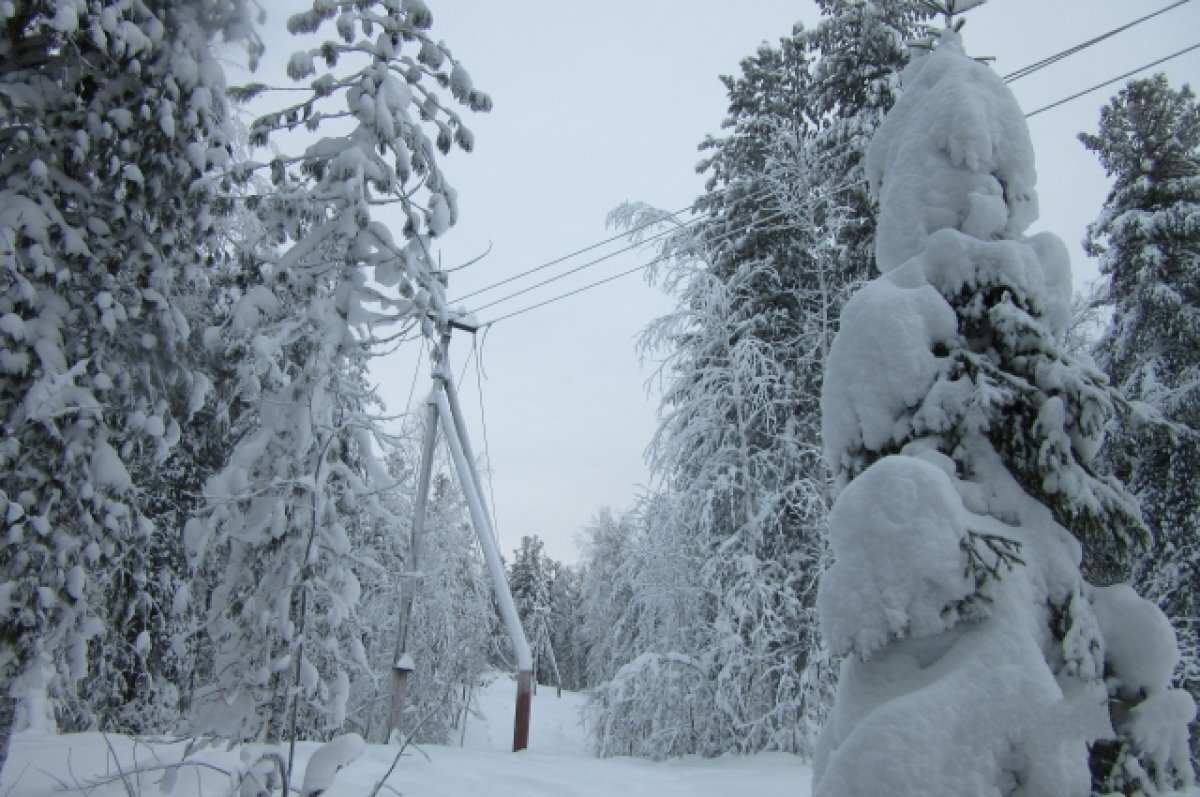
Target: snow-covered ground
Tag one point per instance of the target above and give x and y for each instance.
(557, 764)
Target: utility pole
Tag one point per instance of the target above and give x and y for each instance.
(442, 410)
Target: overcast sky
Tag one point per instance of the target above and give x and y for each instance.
(598, 103)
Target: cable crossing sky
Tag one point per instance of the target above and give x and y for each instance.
(1011, 77)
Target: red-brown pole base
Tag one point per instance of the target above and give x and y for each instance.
(524, 700)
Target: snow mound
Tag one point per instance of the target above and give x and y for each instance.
(924, 695)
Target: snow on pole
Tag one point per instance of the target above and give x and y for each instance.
(402, 665)
(456, 412)
(491, 555)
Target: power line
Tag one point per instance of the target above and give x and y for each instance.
(759, 193)
(588, 264)
(487, 457)
(558, 260)
(834, 154)
(1053, 59)
(598, 283)
(831, 156)
(587, 287)
(654, 261)
(617, 276)
(413, 388)
(1012, 77)
(577, 252)
(1117, 79)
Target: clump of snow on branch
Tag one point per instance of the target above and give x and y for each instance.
(881, 363)
(955, 154)
(897, 534)
(1142, 652)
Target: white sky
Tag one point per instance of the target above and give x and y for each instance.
(598, 103)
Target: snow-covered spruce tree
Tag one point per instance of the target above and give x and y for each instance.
(859, 47)
(276, 532)
(963, 439)
(1148, 240)
(112, 116)
(546, 593)
(565, 616)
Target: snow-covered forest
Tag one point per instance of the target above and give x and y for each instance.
(921, 516)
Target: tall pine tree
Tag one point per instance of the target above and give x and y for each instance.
(276, 531)
(1148, 241)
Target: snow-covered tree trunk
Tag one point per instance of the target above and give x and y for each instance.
(963, 439)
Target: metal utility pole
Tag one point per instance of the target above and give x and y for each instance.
(442, 410)
(402, 663)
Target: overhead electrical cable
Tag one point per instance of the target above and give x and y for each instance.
(487, 457)
(1053, 59)
(617, 276)
(1009, 78)
(558, 260)
(1052, 105)
(619, 236)
(413, 388)
(568, 294)
(1117, 79)
(588, 264)
(833, 154)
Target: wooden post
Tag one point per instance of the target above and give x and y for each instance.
(524, 705)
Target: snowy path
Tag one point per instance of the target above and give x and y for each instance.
(557, 764)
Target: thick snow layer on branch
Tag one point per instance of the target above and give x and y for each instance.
(897, 533)
(956, 714)
(1141, 652)
(953, 153)
(1140, 644)
(330, 757)
(881, 362)
(958, 710)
